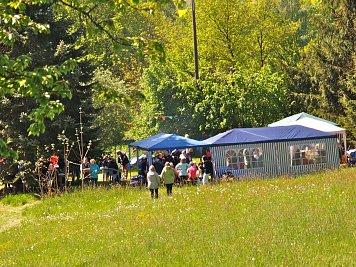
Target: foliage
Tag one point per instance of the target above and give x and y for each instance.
(51, 49)
(330, 63)
(304, 221)
(259, 61)
(44, 84)
(242, 100)
(113, 98)
(215, 103)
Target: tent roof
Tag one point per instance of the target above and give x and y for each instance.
(266, 134)
(318, 125)
(163, 141)
(297, 117)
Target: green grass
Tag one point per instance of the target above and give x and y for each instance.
(18, 200)
(307, 221)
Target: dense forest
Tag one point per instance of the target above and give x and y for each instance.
(129, 64)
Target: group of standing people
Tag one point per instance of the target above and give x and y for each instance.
(110, 168)
(181, 173)
(167, 168)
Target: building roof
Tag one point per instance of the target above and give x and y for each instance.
(296, 117)
(266, 134)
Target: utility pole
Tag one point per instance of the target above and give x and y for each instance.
(196, 65)
(80, 145)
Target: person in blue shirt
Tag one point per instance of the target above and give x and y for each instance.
(182, 168)
(94, 170)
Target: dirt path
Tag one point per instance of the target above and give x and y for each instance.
(10, 216)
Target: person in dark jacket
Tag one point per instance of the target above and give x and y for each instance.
(159, 163)
(167, 157)
(142, 165)
(114, 170)
(208, 168)
(124, 162)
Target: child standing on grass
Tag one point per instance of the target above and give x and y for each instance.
(192, 172)
(200, 172)
(94, 169)
(153, 181)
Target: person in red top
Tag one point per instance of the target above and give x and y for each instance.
(192, 172)
(54, 160)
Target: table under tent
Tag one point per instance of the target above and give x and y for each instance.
(310, 121)
(273, 151)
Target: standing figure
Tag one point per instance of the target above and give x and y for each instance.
(168, 175)
(208, 169)
(167, 157)
(94, 169)
(114, 171)
(106, 172)
(200, 172)
(124, 162)
(142, 167)
(182, 167)
(175, 156)
(192, 172)
(159, 163)
(85, 169)
(153, 181)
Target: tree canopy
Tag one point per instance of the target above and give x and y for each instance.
(129, 64)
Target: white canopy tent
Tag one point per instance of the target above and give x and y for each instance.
(315, 123)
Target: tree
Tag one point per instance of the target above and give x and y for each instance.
(329, 62)
(44, 84)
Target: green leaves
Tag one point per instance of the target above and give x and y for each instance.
(45, 85)
(6, 151)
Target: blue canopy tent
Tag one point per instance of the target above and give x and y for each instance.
(265, 134)
(273, 151)
(163, 141)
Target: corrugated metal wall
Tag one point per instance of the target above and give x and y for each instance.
(276, 158)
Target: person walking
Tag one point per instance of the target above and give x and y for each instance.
(153, 181)
(168, 175)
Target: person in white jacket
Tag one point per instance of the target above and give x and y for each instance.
(153, 181)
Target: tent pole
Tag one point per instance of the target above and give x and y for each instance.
(129, 161)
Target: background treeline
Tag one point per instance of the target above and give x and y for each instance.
(132, 68)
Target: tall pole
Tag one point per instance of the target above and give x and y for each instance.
(81, 131)
(81, 148)
(196, 73)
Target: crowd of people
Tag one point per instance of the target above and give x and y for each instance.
(178, 168)
(109, 168)
(167, 168)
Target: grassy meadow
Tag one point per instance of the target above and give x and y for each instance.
(305, 221)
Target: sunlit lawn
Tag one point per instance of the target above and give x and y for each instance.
(305, 221)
